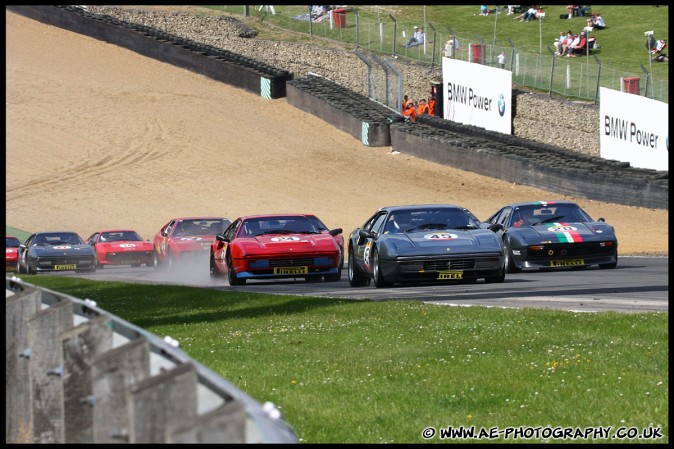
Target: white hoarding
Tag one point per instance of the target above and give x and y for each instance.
(633, 129)
(478, 95)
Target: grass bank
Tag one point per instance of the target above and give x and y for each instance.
(349, 371)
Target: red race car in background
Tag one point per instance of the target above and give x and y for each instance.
(11, 252)
(277, 246)
(121, 247)
(187, 239)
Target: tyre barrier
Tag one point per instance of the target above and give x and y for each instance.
(343, 108)
(220, 65)
(553, 169)
(75, 373)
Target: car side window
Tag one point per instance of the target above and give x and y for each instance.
(169, 228)
(378, 223)
(93, 239)
(230, 232)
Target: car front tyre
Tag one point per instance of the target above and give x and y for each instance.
(609, 265)
(510, 261)
(497, 279)
(379, 280)
(231, 274)
(356, 278)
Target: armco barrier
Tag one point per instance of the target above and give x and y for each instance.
(363, 118)
(557, 171)
(77, 374)
(220, 65)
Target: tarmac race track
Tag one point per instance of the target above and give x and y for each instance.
(638, 284)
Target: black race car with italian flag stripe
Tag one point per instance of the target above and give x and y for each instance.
(554, 235)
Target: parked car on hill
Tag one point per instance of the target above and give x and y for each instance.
(55, 251)
(11, 252)
(275, 247)
(121, 247)
(433, 243)
(188, 239)
(554, 234)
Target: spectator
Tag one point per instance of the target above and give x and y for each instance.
(416, 39)
(423, 108)
(431, 106)
(406, 101)
(559, 41)
(410, 112)
(571, 10)
(578, 47)
(502, 59)
(567, 43)
(596, 21)
(484, 11)
(528, 15)
(511, 9)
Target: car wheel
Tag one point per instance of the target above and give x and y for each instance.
(214, 270)
(356, 278)
(19, 268)
(29, 270)
(510, 261)
(170, 260)
(157, 262)
(379, 280)
(609, 265)
(231, 274)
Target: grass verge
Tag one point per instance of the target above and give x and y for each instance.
(348, 371)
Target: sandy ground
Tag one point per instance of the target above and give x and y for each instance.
(101, 137)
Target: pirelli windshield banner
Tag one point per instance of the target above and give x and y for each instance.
(478, 95)
(633, 129)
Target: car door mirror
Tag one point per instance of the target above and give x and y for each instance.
(496, 227)
(221, 238)
(336, 231)
(363, 235)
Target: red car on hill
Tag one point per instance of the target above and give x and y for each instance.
(187, 239)
(121, 247)
(11, 252)
(277, 246)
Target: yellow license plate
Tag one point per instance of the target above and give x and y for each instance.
(567, 263)
(65, 267)
(11, 268)
(291, 270)
(445, 275)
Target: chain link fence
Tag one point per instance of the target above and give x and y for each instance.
(540, 69)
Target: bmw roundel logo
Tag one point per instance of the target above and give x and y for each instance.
(501, 105)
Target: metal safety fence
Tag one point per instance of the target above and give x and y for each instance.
(540, 68)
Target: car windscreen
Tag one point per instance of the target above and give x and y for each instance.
(201, 226)
(120, 236)
(12, 242)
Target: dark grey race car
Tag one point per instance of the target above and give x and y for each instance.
(554, 235)
(55, 251)
(424, 243)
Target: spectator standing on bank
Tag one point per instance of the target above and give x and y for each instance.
(431, 106)
(406, 101)
(502, 59)
(422, 108)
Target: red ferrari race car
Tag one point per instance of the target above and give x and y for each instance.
(187, 239)
(11, 252)
(121, 247)
(277, 246)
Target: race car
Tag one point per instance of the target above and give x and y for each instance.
(185, 240)
(424, 243)
(554, 235)
(275, 247)
(55, 251)
(121, 247)
(11, 252)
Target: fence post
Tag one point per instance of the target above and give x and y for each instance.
(161, 403)
(225, 424)
(552, 69)
(395, 30)
(596, 93)
(18, 396)
(113, 373)
(46, 369)
(435, 34)
(80, 346)
(648, 78)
